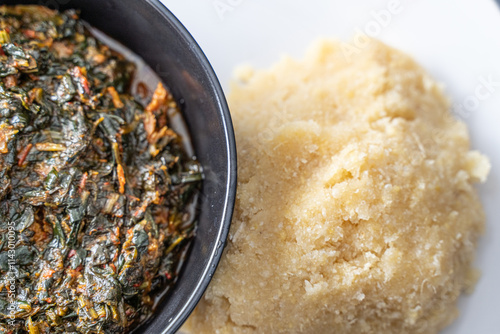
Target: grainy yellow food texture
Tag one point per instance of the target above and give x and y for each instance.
(356, 210)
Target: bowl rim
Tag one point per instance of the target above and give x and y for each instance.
(230, 188)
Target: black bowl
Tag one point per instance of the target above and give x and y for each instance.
(153, 33)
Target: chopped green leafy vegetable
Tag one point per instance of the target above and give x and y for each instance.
(95, 189)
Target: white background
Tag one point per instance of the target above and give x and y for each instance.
(457, 41)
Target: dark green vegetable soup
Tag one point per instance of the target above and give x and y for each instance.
(96, 188)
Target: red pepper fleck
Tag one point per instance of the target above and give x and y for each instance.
(29, 33)
(23, 154)
(77, 72)
(83, 181)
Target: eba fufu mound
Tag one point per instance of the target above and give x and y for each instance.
(356, 210)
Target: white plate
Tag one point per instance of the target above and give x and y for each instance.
(457, 41)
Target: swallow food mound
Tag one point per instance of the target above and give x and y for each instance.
(356, 209)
